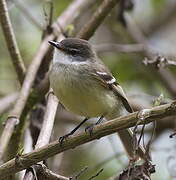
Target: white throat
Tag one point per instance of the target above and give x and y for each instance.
(63, 58)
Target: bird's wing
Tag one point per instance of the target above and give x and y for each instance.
(107, 80)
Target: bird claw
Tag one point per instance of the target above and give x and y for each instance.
(90, 129)
(63, 138)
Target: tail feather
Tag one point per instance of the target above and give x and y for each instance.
(118, 91)
(126, 137)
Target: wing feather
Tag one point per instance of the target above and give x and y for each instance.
(108, 81)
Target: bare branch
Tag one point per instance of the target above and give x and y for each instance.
(48, 121)
(104, 129)
(97, 174)
(78, 174)
(44, 173)
(66, 18)
(47, 127)
(89, 28)
(11, 41)
(159, 61)
(7, 132)
(143, 171)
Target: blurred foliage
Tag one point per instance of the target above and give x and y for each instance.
(158, 4)
(59, 7)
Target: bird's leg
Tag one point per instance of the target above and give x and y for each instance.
(99, 120)
(90, 128)
(62, 138)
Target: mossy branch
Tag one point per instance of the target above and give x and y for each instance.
(24, 161)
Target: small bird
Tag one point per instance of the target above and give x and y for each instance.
(85, 86)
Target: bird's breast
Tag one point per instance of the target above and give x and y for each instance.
(80, 93)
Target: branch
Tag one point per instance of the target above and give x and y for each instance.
(47, 127)
(66, 18)
(159, 62)
(44, 173)
(89, 28)
(11, 41)
(48, 121)
(104, 129)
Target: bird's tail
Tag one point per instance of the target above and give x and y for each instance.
(126, 136)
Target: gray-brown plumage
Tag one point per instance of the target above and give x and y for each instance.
(85, 86)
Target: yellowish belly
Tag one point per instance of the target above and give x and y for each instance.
(79, 97)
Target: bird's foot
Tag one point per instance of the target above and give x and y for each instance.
(63, 138)
(90, 129)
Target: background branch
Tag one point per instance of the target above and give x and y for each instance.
(47, 126)
(88, 30)
(44, 173)
(11, 41)
(165, 75)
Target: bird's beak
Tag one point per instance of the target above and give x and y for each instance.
(56, 44)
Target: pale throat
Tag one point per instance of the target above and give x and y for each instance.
(63, 58)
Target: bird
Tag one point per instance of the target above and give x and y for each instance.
(86, 87)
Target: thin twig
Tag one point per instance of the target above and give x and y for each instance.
(44, 173)
(104, 129)
(11, 41)
(159, 61)
(44, 66)
(97, 174)
(78, 174)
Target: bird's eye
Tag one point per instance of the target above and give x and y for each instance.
(74, 51)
